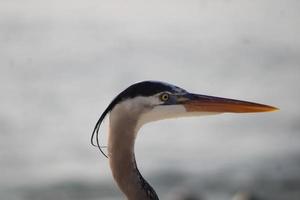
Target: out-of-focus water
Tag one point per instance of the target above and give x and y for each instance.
(61, 63)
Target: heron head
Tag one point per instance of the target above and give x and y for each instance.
(150, 101)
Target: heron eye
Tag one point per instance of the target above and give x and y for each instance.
(164, 97)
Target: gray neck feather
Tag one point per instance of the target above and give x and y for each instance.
(122, 160)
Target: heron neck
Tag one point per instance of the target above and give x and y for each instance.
(122, 161)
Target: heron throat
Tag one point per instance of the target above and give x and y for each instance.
(121, 140)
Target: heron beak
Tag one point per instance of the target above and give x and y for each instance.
(203, 103)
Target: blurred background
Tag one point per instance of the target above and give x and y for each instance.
(63, 61)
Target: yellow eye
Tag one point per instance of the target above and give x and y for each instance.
(164, 97)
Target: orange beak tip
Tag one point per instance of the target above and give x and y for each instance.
(273, 109)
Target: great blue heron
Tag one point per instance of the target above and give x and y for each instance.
(145, 102)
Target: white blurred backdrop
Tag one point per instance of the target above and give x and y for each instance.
(62, 62)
